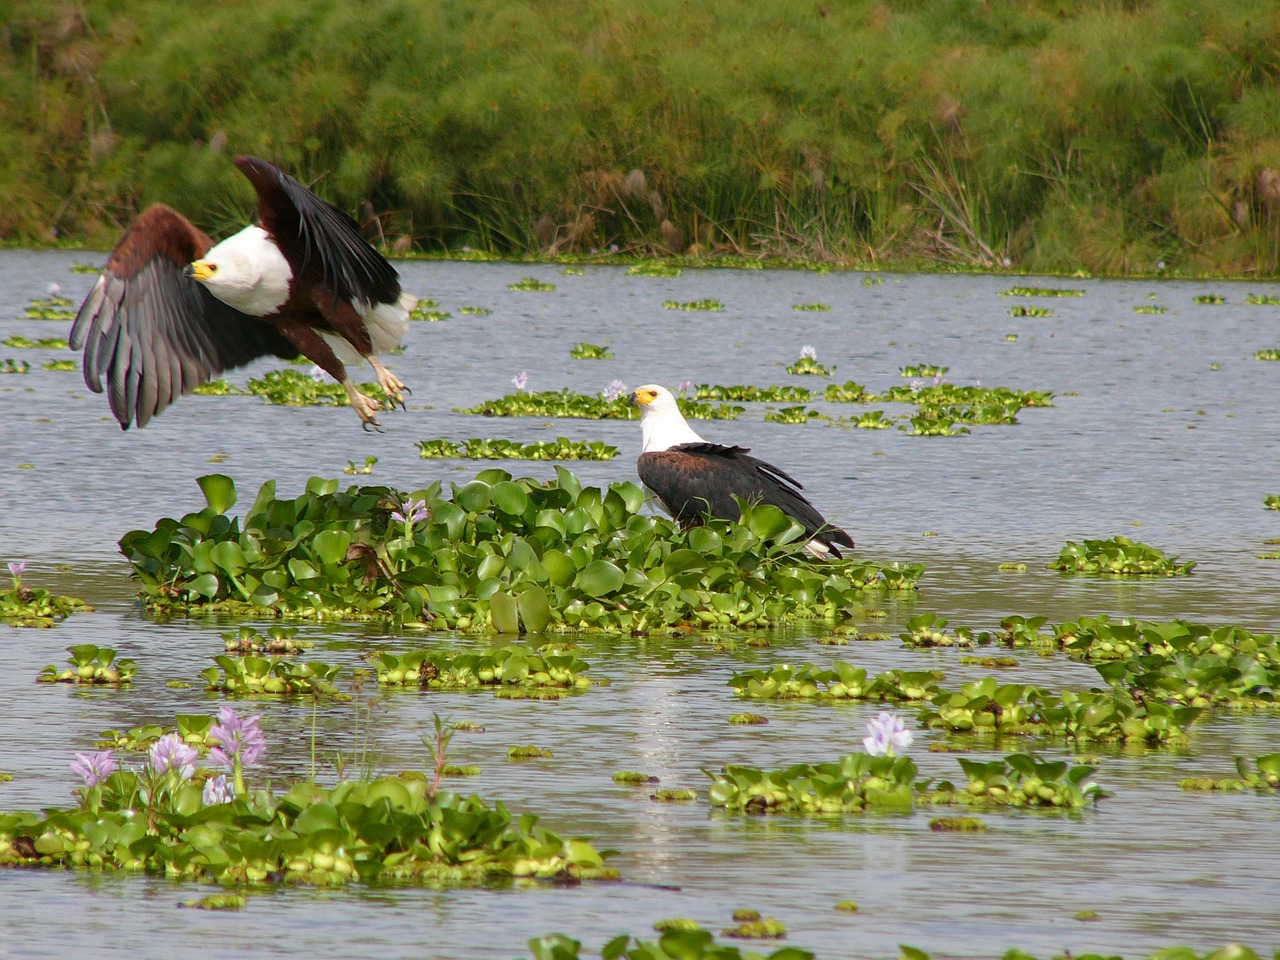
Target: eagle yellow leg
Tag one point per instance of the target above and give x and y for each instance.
(391, 385)
(364, 406)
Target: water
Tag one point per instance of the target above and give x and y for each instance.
(1164, 429)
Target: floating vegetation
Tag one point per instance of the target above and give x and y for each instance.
(531, 284)
(1119, 556)
(1264, 300)
(195, 730)
(654, 268)
(1262, 773)
(748, 720)
(631, 778)
(278, 641)
(853, 783)
(367, 468)
(958, 825)
(45, 343)
(1018, 310)
(756, 928)
(589, 351)
(1271, 501)
(506, 669)
(840, 681)
(1271, 353)
(941, 395)
(792, 415)
(425, 311)
(872, 420)
(676, 923)
(817, 307)
(53, 307)
(1150, 308)
(91, 664)
(294, 388)
(384, 830)
(927, 630)
(254, 675)
(872, 281)
(1012, 566)
(60, 365)
(11, 365)
(923, 370)
(528, 752)
(1021, 780)
(673, 795)
(218, 388)
(708, 304)
(740, 393)
(24, 606)
(1017, 291)
(495, 554)
(1210, 298)
(847, 392)
(486, 449)
(808, 365)
(932, 422)
(685, 943)
(566, 403)
(475, 311)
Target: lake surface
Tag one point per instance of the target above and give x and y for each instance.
(1164, 429)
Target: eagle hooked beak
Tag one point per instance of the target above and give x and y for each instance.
(200, 270)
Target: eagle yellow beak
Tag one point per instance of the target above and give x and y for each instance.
(201, 270)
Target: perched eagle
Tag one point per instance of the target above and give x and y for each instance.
(693, 477)
(172, 309)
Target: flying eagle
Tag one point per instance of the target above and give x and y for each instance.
(693, 477)
(172, 309)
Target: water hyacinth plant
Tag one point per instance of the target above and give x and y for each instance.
(808, 363)
(1119, 556)
(553, 555)
(389, 829)
(479, 448)
(567, 403)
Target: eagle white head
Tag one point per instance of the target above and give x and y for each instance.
(246, 271)
(662, 425)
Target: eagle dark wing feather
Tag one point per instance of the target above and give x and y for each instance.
(151, 334)
(693, 479)
(314, 233)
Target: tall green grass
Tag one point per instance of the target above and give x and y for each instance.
(1064, 135)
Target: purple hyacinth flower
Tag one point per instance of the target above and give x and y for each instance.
(18, 569)
(237, 737)
(521, 380)
(414, 511)
(614, 390)
(685, 387)
(94, 767)
(886, 736)
(217, 790)
(808, 353)
(170, 753)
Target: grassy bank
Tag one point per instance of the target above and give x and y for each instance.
(1105, 136)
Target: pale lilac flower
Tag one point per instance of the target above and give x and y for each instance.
(808, 353)
(170, 753)
(414, 511)
(614, 390)
(18, 569)
(317, 373)
(217, 790)
(886, 735)
(55, 289)
(237, 736)
(521, 380)
(94, 767)
(685, 387)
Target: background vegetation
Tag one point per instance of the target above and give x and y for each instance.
(1059, 134)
